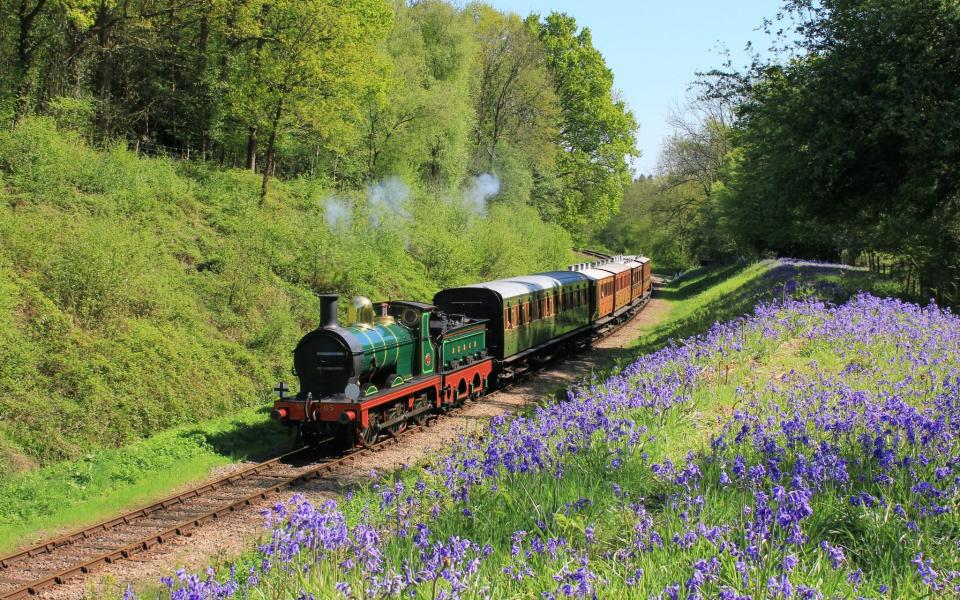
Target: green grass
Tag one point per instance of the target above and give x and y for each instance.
(71, 494)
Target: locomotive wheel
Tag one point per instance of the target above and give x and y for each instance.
(400, 427)
(421, 418)
(366, 436)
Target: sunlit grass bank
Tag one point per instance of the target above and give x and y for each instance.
(805, 451)
(701, 297)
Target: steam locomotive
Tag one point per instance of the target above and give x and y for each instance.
(396, 363)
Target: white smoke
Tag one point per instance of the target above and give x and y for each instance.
(481, 188)
(337, 212)
(388, 199)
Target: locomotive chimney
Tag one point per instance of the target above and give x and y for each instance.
(328, 310)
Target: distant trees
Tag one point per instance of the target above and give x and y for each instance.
(297, 63)
(348, 92)
(844, 147)
(514, 99)
(855, 145)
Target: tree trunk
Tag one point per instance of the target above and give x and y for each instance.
(252, 149)
(205, 101)
(25, 53)
(271, 146)
(103, 23)
(21, 102)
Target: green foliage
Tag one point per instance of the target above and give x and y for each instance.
(597, 130)
(673, 223)
(348, 92)
(516, 106)
(140, 294)
(851, 145)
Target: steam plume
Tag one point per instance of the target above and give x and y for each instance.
(481, 188)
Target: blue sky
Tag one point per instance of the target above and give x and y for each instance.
(655, 47)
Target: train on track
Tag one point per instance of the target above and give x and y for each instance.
(397, 363)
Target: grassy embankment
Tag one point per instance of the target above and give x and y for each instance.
(807, 451)
(146, 298)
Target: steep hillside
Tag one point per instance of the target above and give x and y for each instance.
(138, 294)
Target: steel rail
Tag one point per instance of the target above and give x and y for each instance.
(164, 504)
(24, 587)
(32, 585)
(592, 253)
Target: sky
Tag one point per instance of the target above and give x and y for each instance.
(656, 47)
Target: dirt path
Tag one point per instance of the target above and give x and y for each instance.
(237, 532)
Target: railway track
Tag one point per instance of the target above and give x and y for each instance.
(31, 570)
(585, 252)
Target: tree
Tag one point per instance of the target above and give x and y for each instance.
(854, 143)
(514, 100)
(299, 57)
(596, 130)
(415, 119)
(27, 44)
(698, 149)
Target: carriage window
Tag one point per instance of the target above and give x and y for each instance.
(506, 318)
(526, 312)
(516, 315)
